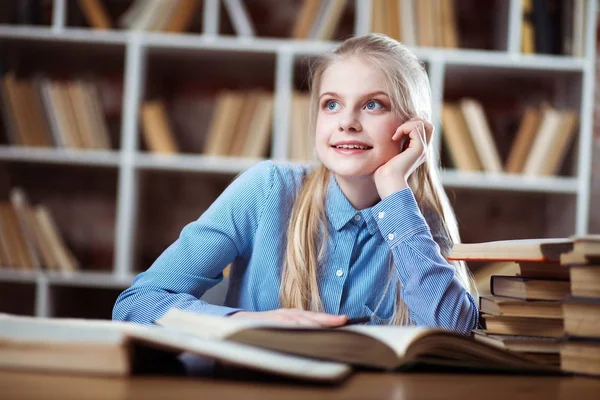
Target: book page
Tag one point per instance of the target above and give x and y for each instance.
(399, 338)
(61, 330)
(244, 355)
(212, 327)
(509, 250)
(82, 332)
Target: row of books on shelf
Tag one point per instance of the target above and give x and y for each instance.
(240, 125)
(417, 23)
(539, 148)
(318, 19)
(41, 112)
(553, 27)
(30, 238)
(423, 23)
(548, 27)
(544, 299)
(149, 15)
(69, 114)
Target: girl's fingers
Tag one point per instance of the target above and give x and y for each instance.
(323, 319)
(330, 320)
(398, 134)
(425, 127)
(304, 321)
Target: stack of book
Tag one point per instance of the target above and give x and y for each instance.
(580, 352)
(531, 311)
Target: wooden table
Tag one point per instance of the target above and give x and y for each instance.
(366, 385)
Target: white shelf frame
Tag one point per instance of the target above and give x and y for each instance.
(130, 161)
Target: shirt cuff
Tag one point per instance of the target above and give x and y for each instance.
(398, 217)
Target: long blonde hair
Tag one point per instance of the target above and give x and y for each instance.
(410, 95)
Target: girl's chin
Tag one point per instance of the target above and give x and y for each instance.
(349, 169)
(349, 173)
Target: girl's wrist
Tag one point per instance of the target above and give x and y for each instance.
(390, 186)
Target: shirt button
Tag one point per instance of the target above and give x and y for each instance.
(339, 272)
(381, 214)
(391, 236)
(357, 217)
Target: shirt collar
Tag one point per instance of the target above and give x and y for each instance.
(339, 210)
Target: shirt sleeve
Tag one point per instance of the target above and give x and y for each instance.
(195, 261)
(430, 288)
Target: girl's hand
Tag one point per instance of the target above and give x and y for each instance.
(294, 315)
(393, 175)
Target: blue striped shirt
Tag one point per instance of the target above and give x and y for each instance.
(247, 224)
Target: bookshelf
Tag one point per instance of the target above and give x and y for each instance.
(135, 202)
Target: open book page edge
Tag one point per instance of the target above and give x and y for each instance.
(506, 250)
(519, 242)
(397, 338)
(586, 238)
(210, 327)
(82, 332)
(214, 327)
(244, 355)
(60, 330)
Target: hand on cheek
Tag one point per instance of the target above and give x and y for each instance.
(393, 175)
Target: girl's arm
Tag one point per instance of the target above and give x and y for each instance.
(195, 261)
(429, 287)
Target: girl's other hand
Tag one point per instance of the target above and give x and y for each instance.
(393, 175)
(294, 315)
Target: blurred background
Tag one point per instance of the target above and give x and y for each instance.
(122, 120)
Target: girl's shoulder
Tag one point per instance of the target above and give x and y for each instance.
(281, 176)
(283, 171)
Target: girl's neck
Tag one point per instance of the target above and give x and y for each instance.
(361, 192)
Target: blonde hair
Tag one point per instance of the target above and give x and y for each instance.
(410, 95)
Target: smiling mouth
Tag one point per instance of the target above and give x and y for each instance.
(351, 147)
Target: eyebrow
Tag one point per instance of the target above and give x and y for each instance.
(379, 92)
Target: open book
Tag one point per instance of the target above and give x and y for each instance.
(380, 347)
(110, 348)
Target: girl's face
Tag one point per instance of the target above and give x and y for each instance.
(355, 123)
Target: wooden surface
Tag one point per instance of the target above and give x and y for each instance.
(20, 385)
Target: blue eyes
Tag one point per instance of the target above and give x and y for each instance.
(331, 105)
(372, 105)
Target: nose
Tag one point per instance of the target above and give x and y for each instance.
(349, 122)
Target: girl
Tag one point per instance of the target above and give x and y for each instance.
(363, 234)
